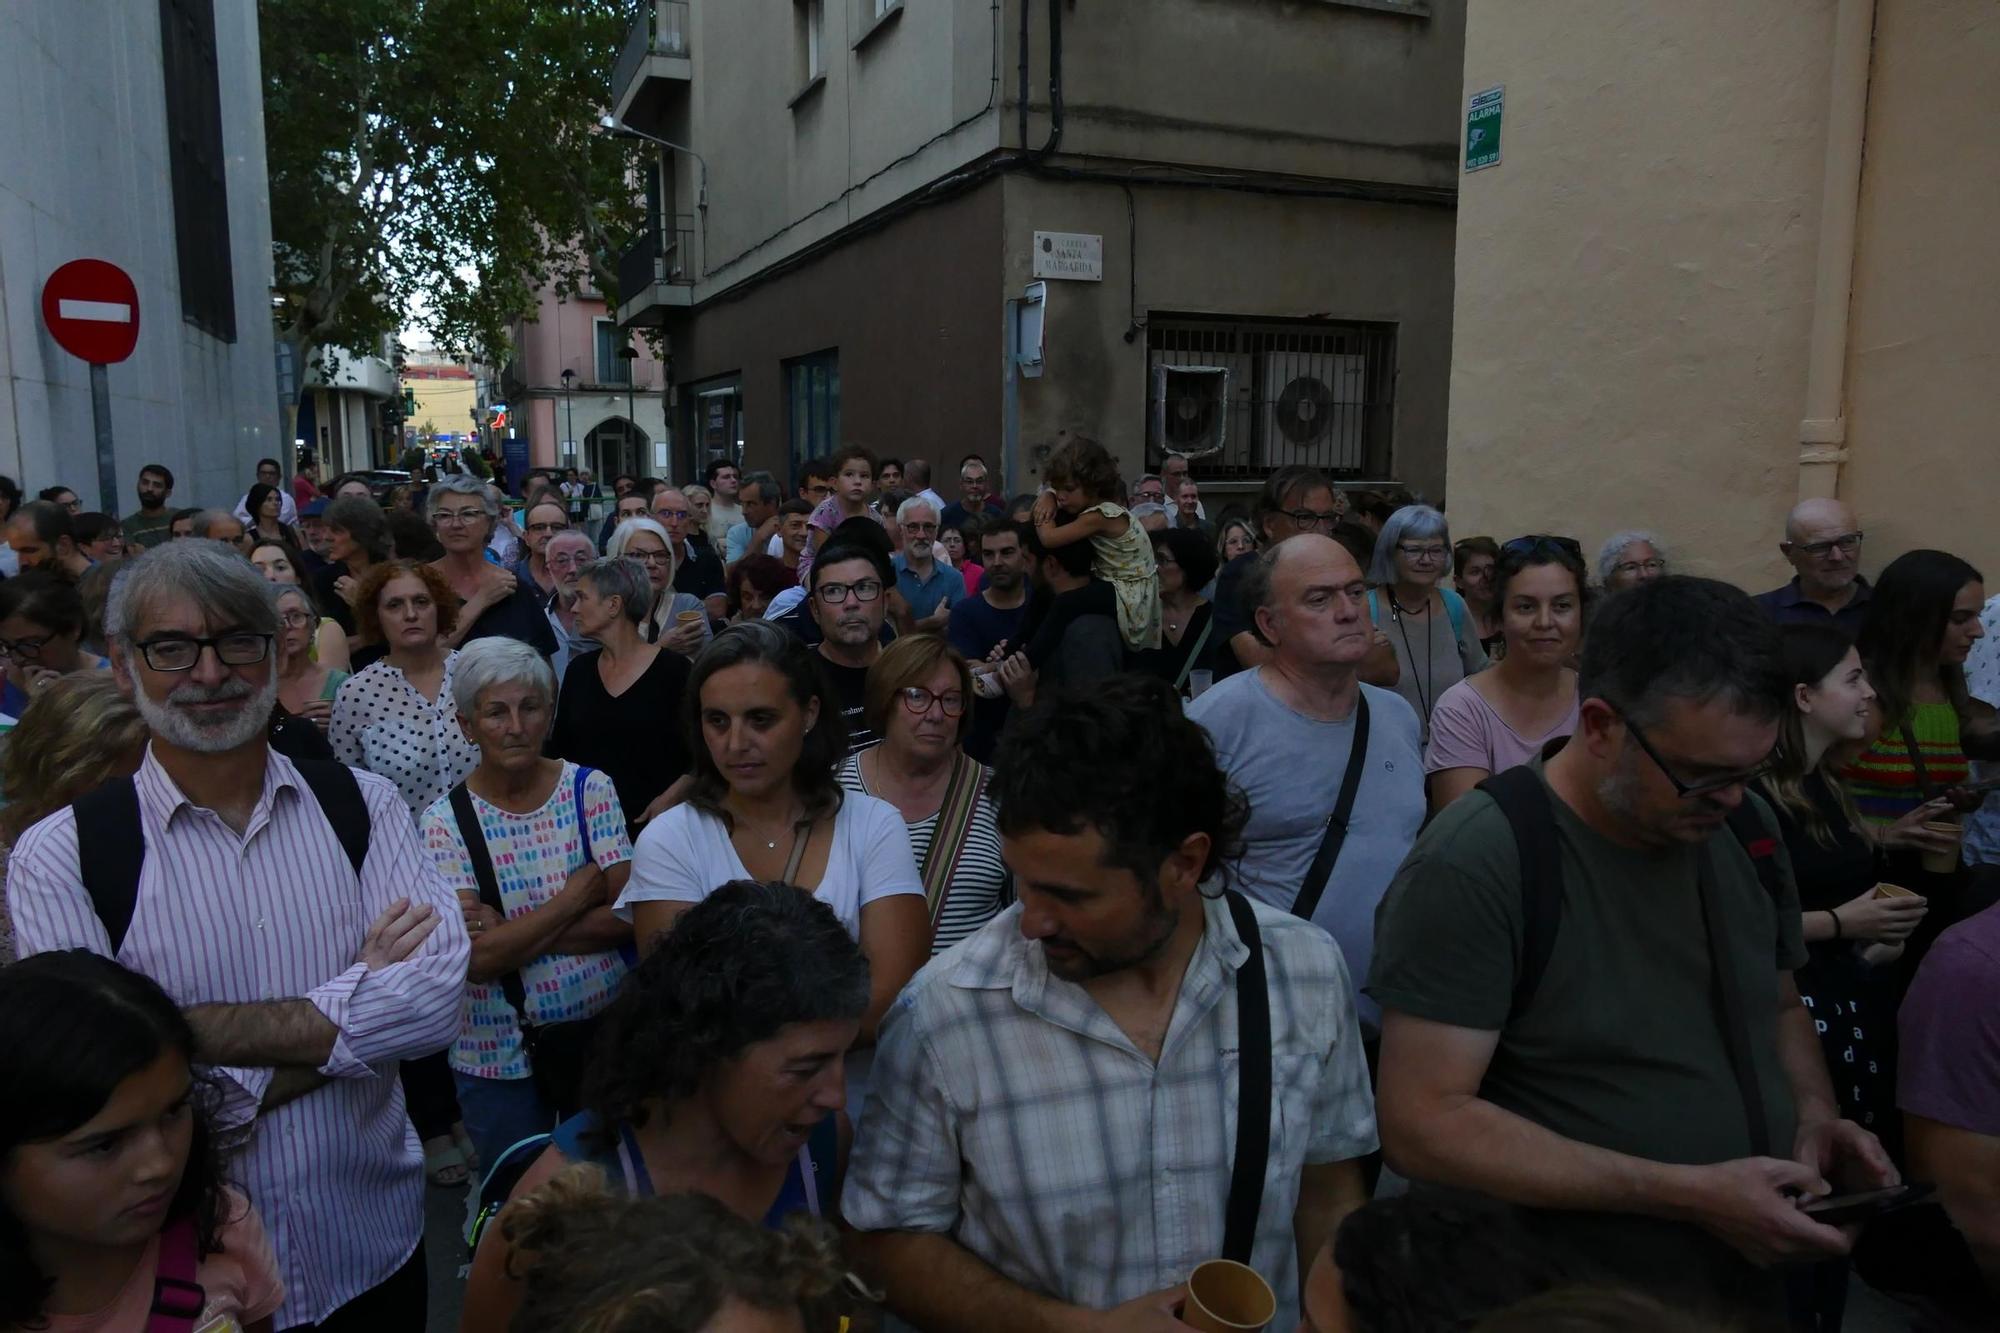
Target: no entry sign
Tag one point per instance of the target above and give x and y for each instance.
(92, 310)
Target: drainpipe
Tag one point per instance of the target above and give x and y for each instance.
(1823, 431)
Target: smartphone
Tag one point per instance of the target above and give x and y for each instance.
(1840, 1209)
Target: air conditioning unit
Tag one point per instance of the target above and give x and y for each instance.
(1191, 409)
(1315, 410)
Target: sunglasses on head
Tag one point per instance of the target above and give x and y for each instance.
(1542, 543)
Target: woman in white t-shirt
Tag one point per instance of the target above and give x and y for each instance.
(766, 738)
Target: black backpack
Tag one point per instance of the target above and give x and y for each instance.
(111, 848)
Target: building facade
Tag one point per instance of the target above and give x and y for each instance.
(1733, 256)
(342, 413)
(580, 400)
(138, 138)
(1243, 214)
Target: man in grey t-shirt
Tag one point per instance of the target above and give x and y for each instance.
(1283, 733)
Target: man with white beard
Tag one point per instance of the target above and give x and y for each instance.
(289, 907)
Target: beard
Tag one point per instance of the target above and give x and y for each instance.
(1078, 964)
(169, 720)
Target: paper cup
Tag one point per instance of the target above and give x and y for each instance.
(1226, 1297)
(688, 617)
(1894, 891)
(1198, 683)
(1943, 863)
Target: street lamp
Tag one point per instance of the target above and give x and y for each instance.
(618, 129)
(569, 422)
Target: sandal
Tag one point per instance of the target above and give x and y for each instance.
(463, 1139)
(444, 1165)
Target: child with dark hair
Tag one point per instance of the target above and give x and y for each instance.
(112, 1205)
(1083, 481)
(593, 1259)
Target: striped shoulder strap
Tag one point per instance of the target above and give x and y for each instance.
(954, 829)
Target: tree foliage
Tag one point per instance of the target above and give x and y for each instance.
(436, 162)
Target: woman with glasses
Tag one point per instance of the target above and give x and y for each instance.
(1497, 719)
(918, 702)
(677, 621)
(41, 632)
(307, 686)
(627, 688)
(493, 603)
(279, 564)
(541, 521)
(1186, 563)
(1628, 559)
(766, 737)
(1435, 642)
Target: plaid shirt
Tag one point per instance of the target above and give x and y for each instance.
(1010, 1113)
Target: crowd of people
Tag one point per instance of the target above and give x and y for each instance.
(824, 908)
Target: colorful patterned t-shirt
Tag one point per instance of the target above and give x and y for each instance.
(533, 856)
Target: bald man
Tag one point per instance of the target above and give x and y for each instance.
(1283, 732)
(1823, 542)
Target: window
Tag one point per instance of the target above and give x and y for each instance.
(611, 367)
(1297, 391)
(196, 163)
(884, 6)
(812, 39)
(812, 405)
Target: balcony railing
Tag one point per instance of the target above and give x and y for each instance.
(654, 258)
(661, 29)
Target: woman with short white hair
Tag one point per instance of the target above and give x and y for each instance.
(1628, 559)
(675, 620)
(1435, 640)
(536, 850)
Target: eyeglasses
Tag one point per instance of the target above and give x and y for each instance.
(1707, 786)
(1541, 542)
(1423, 554)
(920, 527)
(833, 594)
(919, 700)
(565, 561)
(180, 653)
(1654, 566)
(296, 619)
(670, 513)
(454, 518)
(821, 491)
(1848, 543)
(548, 527)
(651, 558)
(27, 650)
(1313, 518)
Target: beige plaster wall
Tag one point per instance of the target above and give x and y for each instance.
(1634, 280)
(1924, 342)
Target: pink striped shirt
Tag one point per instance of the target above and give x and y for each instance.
(337, 1174)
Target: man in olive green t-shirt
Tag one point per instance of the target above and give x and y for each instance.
(1608, 1103)
(152, 523)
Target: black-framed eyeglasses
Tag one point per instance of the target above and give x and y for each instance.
(919, 700)
(833, 594)
(1847, 542)
(180, 652)
(27, 650)
(1542, 542)
(1707, 786)
(1313, 518)
(1409, 552)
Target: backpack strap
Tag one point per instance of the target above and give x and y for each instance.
(481, 859)
(178, 1299)
(582, 815)
(1320, 872)
(110, 852)
(1253, 1087)
(952, 831)
(1454, 607)
(1754, 836)
(1530, 811)
(339, 795)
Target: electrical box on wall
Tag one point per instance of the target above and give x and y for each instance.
(1030, 328)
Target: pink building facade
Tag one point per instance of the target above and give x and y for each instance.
(610, 416)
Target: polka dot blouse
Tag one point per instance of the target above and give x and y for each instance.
(382, 723)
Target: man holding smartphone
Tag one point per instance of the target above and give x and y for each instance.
(1615, 1041)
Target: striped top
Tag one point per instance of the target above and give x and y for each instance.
(1883, 781)
(978, 888)
(273, 914)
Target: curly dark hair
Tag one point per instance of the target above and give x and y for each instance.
(1085, 464)
(73, 1026)
(734, 969)
(599, 1262)
(766, 644)
(1118, 756)
(367, 609)
(1191, 552)
(766, 573)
